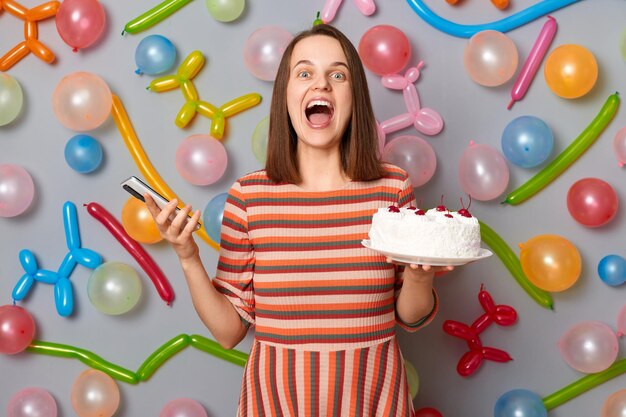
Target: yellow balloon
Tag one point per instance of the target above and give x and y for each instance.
(138, 222)
(571, 71)
(550, 262)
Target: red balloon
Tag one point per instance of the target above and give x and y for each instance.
(592, 202)
(427, 412)
(133, 247)
(384, 49)
(80, 22)
(17, 329)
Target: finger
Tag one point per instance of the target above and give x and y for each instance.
(426, 267)
(151, 204)
(191, 224)
(166, 212)
(181, 218)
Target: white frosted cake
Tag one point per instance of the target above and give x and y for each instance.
(437, 233)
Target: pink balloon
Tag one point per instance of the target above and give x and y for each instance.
(490, 58)
(621, 322)
(384, 49)
(414, 155)
(592, 202)
(95, 394)
(17, 190)
(80, 22)
(615, 405)
(201, 159)
(183, 407)
(82, 101)
(483, 172)
(264, 49)
(17, 329)
(589, 346)
(619, 146)
(32, 402)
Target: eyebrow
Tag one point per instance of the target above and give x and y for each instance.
(333, 64)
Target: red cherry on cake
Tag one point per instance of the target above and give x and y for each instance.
(394, 209)
(420, 212)
(441, 207)
(465, 211)
(448, 215)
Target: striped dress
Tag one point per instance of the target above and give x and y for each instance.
(292, 264)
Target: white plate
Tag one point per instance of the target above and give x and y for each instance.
(428, 260)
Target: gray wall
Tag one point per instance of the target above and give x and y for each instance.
(36, 141)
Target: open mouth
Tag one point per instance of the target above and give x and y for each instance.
(319, 112)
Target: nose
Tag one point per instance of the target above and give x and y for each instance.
(321, 84)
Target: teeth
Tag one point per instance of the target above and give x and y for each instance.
(319, 103)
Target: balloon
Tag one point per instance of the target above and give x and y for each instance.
(483, 172)
(31, 43)
(83, 153)
(619, 146)
(412, 378)
(95, 394)
(592, 202)
(612, 270)
(533, 61)
(32, 402)
(615, 405)
(211, 346)
(11, 99)
(153, 16)
(414, 155)
(17, 190)
(218, 115)
(80, 22)
(142, 257)
(527, 141)
(81, 101)
(490, 58)
(384, 49)
(183, 407)
(621, 322)
(512, 263)
(159, 356)
(570, 154)
(225, 10)
(259, 140)
(571, 71)
(17, 329)
(519, 403)
(201, 159)
(114, 288)
(550, 262)
(213, 215)
(366, 7)
(510, 22)
(589, 346)
(143, 163)
(427, 412)
(155, 54)
(138, 222)
(263, 50)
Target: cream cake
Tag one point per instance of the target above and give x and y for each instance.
(436, 233)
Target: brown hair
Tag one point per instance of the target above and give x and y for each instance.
(359, 144)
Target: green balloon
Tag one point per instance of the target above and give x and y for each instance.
(11, 99)
(114, 288)
(412, 378)
(259, 140)
(225, 10)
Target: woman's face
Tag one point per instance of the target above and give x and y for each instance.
(319, 92)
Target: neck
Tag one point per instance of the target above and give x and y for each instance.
(322, 172)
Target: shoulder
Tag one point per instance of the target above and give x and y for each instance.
(394, 173)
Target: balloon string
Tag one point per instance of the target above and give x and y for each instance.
(149, 366)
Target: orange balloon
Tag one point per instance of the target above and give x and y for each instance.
(571, 71)
(550, 262)
(138, 222)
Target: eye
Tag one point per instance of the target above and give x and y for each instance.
(339, 76)
(304, 74)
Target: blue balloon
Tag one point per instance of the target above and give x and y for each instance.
(527, 141)
(520, 403)
(612, 270)
(64, 297)
(213, 215)
(155, 54)
(83, 153)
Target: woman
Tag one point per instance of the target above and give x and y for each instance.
(291, 259)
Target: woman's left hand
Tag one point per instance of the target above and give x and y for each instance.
(420, 272)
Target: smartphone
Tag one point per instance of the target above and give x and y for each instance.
(138, 188)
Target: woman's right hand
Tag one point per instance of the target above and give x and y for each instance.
(178, 231)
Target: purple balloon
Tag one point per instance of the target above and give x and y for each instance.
(32, 402)
(201, 159)
(183, 407)
(483, 172)
(16, 190)
(589, 346)
(414, 155)
(264, 49)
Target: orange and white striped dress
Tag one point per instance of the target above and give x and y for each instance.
(292, 264)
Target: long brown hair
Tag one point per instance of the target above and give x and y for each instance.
(359, 144)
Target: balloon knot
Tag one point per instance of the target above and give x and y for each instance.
(138, 71)
(74, 50)
(510, 105)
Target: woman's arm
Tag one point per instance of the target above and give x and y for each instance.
(213, 308)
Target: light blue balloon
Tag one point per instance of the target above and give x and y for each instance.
(527, 141)
(213, 215)
(612, 270)
(83, 153)
(520, 403)
(155, 54)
